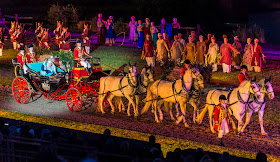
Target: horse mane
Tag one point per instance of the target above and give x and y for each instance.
(244, 83)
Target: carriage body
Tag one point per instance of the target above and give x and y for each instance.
(76, 87)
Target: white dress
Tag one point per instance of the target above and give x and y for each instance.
(132, 33)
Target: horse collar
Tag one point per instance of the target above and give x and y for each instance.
(130, 83)
(183, 85)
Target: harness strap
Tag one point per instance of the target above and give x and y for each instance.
(174, 91)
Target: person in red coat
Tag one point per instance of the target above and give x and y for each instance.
(31, 55)
(79, 52)
(21, 58)
(186, 67)
(243, 75)
(65, 39)
(225, 50)
(1, 47)
(256, 59)
(222, 117)
(166, 40)
(148, 51)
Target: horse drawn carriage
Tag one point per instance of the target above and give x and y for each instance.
(75, 86)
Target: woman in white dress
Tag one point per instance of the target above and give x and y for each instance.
(213, 51)
(132, 33)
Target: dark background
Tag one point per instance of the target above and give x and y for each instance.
(212, 15)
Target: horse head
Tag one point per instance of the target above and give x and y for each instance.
(254, 87)
(133, 72)
(148, 74)
(267, 85)
(198, 77)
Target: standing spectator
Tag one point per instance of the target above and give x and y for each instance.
(256, 59)
(176, 50)
(101, 30)
(162, 26)
(110, 37)
(248, 54)
(148, 51)
(65, 39)
(181, 40)
(175, 27)
(201, 50)
(225, 50)
(193, 35)
(222, 117)
(166, 40)
(162, 50)
(208, 41)
(154, 32)
(189, 50)
(85, 36)
(212, 54)
(133, 30)
(146, 28)
(236, 57)
(140, 34)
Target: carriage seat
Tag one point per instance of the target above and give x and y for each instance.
(15, 61)
(36, 67)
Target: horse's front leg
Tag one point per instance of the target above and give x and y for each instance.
(170, 111)
(248, 117)
(195, 111)
(240, 122)
(130, 100)
(110, 98)
(137, 105)
(155, 111)
(210, 113)
(183, 107)
(177, 110)
(261, 112)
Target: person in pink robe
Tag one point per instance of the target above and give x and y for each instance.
(225, 50)
(256, 59)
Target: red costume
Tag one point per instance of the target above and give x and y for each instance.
(31, 57)
(149, 48)
(242, 77)
(66, 36)
(21, 59)
(183, 71)
(256, 59)
(167, 42)
(78, 53)
(221, 113)
(225, 50)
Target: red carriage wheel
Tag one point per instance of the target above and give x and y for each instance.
(21, 90)
(74, 99)
(50, 96)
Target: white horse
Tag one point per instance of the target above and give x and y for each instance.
(120, 86)
(237, 100)
(258, 105)
(144, 79)
(194, 95)
(174, 92)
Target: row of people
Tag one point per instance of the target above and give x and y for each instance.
(105, 30)
(204, 52)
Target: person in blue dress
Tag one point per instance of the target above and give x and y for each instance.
(110, 34)
(140, 34)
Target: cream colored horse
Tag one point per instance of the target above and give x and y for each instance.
(174, 92)
(237, 99)
(120, 86)
(144, 79)
(258, 105)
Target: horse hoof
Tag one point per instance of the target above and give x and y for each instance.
(186, 125)
(157, 121)
(177, 122)
(213, 131)
(103, 112)
(264, 134)
(112, 112)
(128, 114)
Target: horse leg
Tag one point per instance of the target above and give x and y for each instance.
(240, 122)
(210, 113)
(110, 97)
(155, 111)
(170, 112)
(100, 102)
(248, 117)
(130, 99)
(195, 111)
(137, 105)
(183, 106)
(261, 112)
(177, 110)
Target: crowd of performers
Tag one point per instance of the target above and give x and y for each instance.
(159, 47)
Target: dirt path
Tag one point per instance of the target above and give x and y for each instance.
(251, 140)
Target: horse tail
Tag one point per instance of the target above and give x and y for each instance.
(149, 99)
(201, 115)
